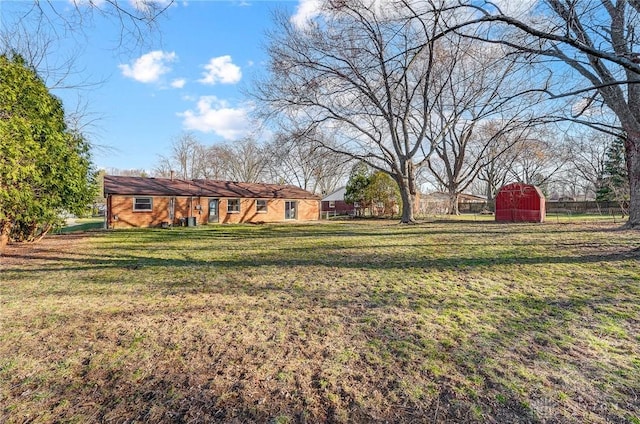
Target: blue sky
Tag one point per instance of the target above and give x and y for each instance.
(190, 77)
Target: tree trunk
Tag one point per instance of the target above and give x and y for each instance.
(407, 204)
(632, 151)
(44, 232)
(5, 229)
(453, 204)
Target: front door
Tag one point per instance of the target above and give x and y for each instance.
(213, 210)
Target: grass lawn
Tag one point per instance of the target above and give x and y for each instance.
(330, 322)
(82, 224)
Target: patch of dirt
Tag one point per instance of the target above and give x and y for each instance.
(51, 247)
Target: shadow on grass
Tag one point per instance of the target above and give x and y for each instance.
(474, 368)
(361, 261)
(482, 381)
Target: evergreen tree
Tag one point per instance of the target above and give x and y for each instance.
(615, 178)
(356, 190)
(45, 168)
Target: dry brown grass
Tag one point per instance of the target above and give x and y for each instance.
(341, 322)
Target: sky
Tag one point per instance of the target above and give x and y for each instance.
(192, 76)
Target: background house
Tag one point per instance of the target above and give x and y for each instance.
(154, 202)
(333, 204)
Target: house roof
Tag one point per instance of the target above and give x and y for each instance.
(336, 195)
(140, 186)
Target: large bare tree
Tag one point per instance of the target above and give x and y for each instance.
(187, 158)
(597, 40)
(587, 156)
(477, 115)
(300, 160)
(538, 157)
(368, 72)
(242, 160)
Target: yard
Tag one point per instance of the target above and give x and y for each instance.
(329, 322)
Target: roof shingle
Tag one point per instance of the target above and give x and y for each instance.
(140, 186)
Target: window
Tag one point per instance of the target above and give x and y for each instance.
(290, 210)
(261, 206)
(332, 204)
(233, 205)
(142, 204)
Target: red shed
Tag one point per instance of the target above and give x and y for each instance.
(518, 202)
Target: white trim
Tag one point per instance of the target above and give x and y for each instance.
(150, 209)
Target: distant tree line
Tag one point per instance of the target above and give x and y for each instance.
(465, 94)
(282, 160)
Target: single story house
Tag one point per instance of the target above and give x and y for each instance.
(155, 202)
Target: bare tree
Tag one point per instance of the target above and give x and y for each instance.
(306, 163)
(475, 117)
(587, 157)
(369, 71)
(214, 165)
(597, 40)
(186, 159)
(538, 158)
(35, 27)
(244, 160)
(126, 172)
(497, 161)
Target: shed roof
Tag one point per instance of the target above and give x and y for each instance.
(141, 186)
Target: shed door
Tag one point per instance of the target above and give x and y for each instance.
(213, 210)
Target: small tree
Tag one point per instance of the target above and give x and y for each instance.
(383, 194)
(356, 190)
(615, 177)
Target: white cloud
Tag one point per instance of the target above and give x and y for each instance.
(178, 83)
(149, 67)
(305, 12)
(221, 70)
(218, 117)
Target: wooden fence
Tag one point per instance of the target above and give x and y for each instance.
(582, 207)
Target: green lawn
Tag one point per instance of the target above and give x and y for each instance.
(82, 224)
(330, 322)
